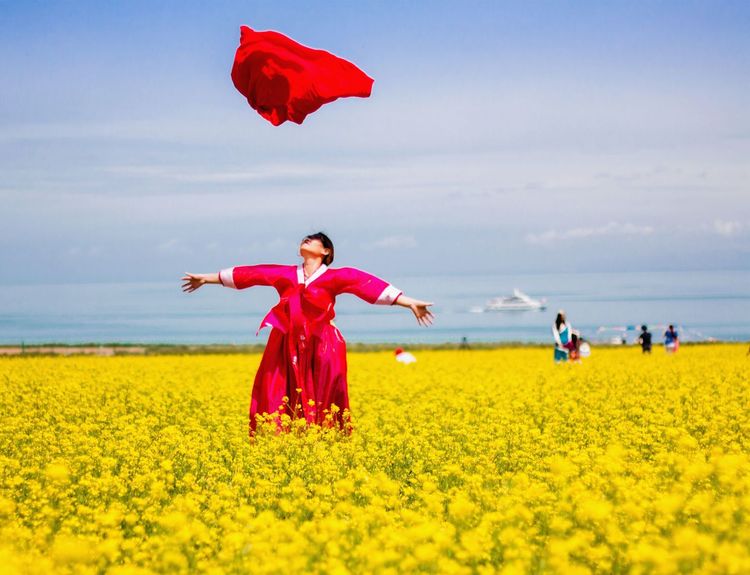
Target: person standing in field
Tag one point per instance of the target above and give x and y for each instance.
(563, 335)
(303, 370)
(671, 340)
(645, 339)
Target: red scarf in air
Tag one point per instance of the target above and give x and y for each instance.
(283, 80)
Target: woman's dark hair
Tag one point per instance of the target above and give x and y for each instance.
(327, 244)
(559, 320)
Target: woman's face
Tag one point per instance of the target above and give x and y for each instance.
(312, 248)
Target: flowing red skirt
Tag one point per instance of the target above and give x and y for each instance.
(303, 378)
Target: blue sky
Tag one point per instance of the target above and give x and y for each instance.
(500, 137)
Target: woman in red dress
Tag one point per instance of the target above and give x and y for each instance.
(303, 369)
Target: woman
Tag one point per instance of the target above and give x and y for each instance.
(303, 369)
(671, 340)
(563, 334)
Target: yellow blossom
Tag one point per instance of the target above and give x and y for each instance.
(486, 461)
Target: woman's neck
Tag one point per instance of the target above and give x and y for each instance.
(310, 266)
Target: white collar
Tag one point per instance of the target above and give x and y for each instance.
(301, 274)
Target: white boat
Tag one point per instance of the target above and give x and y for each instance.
(519, 301)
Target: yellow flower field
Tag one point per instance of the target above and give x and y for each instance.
(466, 462)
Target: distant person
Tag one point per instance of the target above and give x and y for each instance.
(645, 339)
(464, 343)
(671, 340)
(575, 353)
(404, 356)
(563, 334)
(584, 349)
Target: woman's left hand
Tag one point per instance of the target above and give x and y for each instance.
(421, 311)
(419, 308)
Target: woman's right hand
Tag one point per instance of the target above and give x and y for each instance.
(192, 282)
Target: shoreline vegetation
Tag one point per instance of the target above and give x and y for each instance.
(112, 349)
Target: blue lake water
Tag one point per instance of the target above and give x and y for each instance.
(702, 305)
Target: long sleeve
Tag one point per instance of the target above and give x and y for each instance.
(556, 335)
(241, 277)
(366, 286)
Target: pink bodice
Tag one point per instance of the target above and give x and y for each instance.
(305, 307)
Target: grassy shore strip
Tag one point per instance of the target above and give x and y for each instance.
(111, 349)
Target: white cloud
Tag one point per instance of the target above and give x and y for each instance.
(173, 246)
(610, 229)
(727, 228)
(264, 245)
(199, 175)
(393, 242)
(88, 251)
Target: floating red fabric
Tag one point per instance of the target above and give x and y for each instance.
(283, 80)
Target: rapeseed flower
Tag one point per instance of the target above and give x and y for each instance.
(135, 465)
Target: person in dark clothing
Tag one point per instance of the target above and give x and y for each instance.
(645, 339)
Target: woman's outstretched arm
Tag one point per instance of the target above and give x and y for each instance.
(191, 282)
(374, 290)
(239, 277)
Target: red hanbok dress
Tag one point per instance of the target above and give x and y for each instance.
(303, 369)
